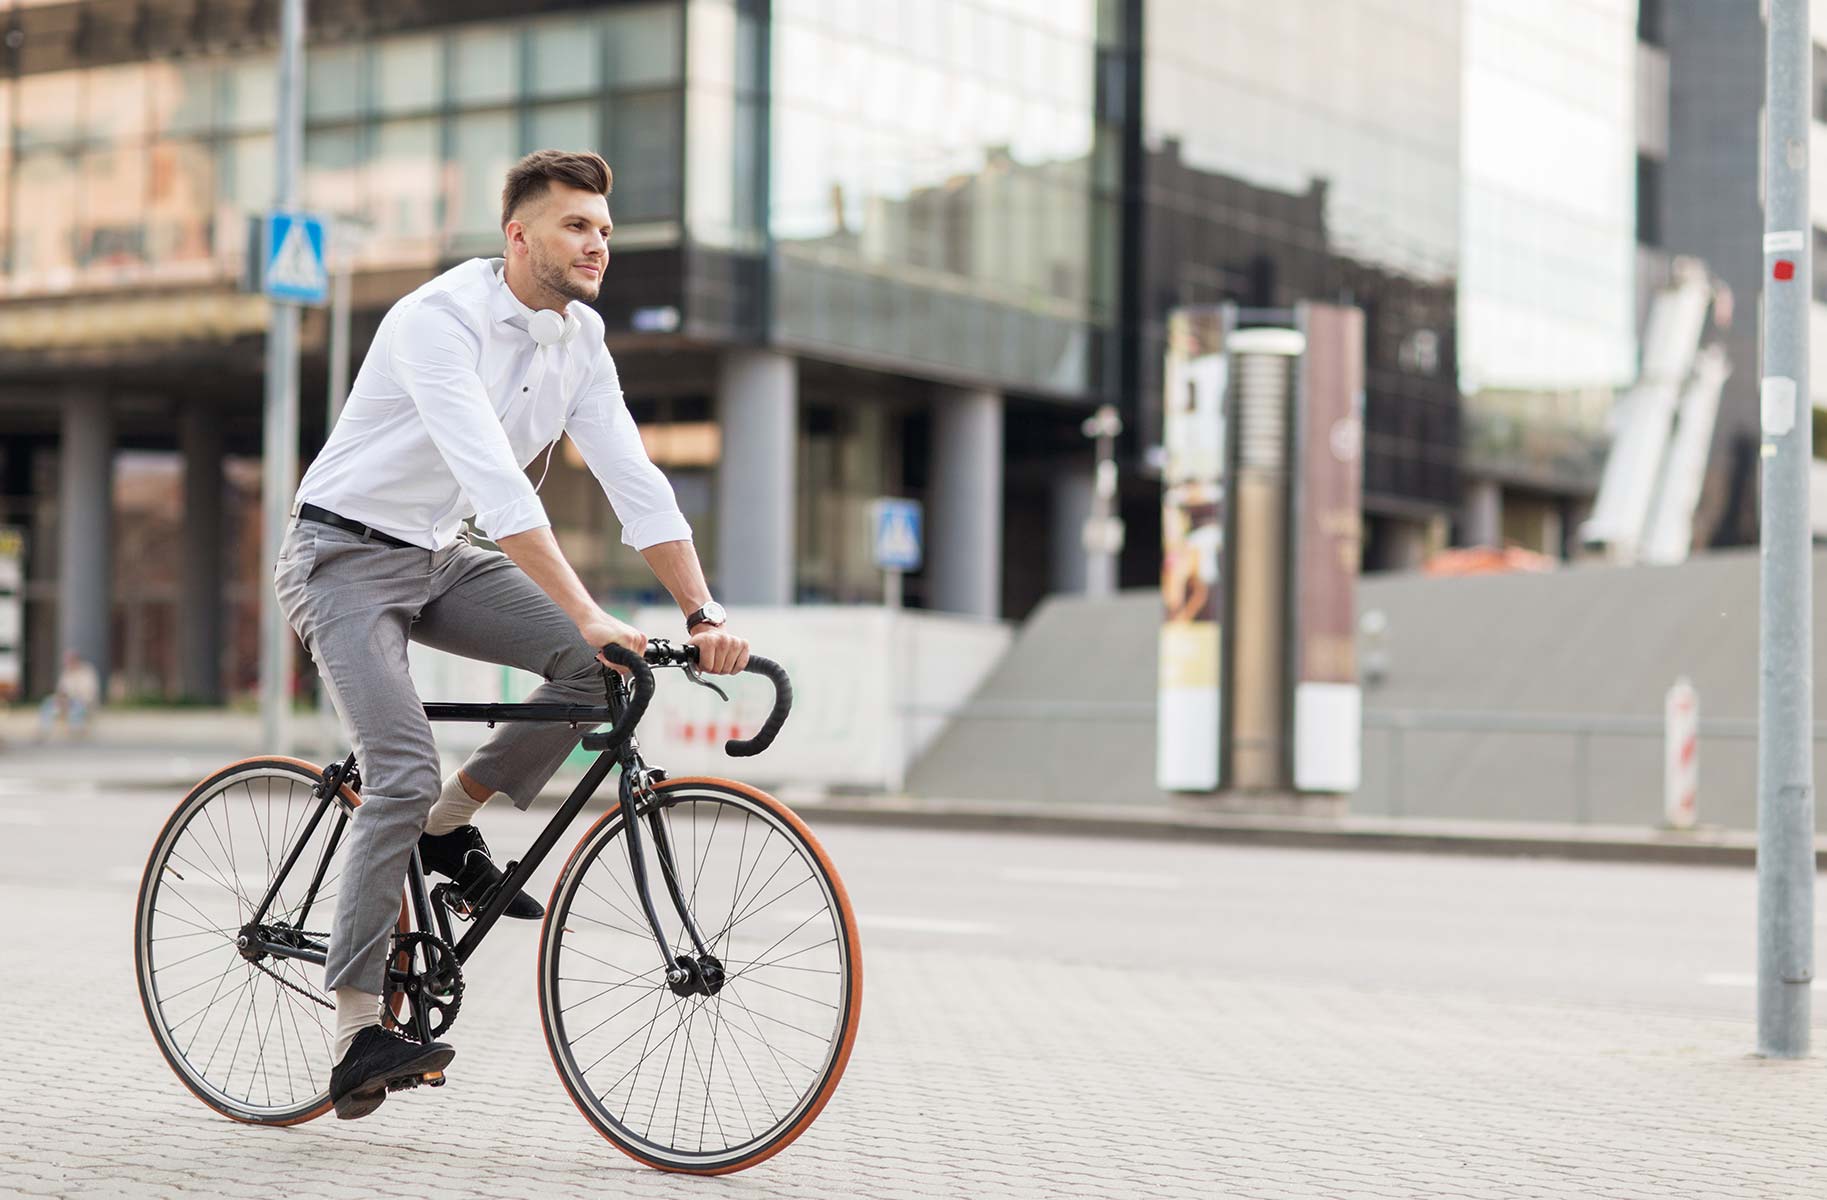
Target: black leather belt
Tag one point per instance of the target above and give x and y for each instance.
(323, 516)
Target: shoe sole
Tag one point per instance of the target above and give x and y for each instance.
(371, 1092)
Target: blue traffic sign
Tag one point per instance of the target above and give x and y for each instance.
(292, 250)
(896, 526)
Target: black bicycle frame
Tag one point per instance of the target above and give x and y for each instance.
(635, 781)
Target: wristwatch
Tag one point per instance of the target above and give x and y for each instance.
(711, 614)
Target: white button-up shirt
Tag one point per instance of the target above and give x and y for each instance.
(455, 399)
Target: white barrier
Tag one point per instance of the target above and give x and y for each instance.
(860, 676)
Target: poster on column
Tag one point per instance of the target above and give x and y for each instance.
(1328, 537)
(12, 612)
(1189, 691)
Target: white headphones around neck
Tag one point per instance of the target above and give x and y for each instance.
(550, 329)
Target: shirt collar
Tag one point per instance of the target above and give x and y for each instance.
(503, 303)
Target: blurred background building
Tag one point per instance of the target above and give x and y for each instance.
(862, 249)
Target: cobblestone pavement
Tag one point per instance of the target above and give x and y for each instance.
(981, 1072)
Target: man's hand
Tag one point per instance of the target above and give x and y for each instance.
(720, 652)
(602, 629)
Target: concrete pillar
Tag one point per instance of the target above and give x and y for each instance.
(758, 409)
(200, 572)
(1483, 513)
(85, 542)
(964, 505)
(1068, 572)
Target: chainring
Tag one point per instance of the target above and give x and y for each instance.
(438, 987)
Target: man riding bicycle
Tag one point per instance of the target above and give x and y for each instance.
(467, 380)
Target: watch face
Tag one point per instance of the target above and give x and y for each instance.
(712, 614)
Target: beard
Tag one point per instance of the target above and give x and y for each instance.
(555, 274)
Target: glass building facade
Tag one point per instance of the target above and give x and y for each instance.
(937, 194)
(1548, 290)
(1310, 150)
(145, 170)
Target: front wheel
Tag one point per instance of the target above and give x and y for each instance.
(689, 1078)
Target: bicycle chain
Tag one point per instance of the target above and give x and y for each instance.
(308, 995)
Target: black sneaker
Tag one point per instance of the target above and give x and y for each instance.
(462, 857)
(380, 1061)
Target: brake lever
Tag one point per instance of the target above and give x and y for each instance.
(691, 673)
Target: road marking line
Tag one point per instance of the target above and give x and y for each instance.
(1733, 979)
(1095, 879)
(926, 925)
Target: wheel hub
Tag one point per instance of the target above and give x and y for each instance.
(700, 976)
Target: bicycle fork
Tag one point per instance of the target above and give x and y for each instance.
(701, 974)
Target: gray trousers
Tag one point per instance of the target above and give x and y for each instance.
(354, 603)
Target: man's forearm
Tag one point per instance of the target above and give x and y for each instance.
(536, 552)
(676, 566)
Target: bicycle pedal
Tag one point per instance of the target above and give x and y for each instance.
(433, 1079)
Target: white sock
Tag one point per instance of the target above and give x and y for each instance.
(355, 1011)
(453, 810)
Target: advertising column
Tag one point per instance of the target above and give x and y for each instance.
(12, 613)
(1328, 481)
(1192, 553)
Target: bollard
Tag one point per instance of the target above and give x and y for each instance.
(1681, 755)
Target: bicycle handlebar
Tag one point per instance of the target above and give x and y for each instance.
(783, 704)
(636, 666)
(663, 655)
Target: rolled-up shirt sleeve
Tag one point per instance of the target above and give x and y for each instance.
(435, 360)
(604, 433)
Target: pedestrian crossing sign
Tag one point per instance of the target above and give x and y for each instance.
(896, 524)
(293, 254)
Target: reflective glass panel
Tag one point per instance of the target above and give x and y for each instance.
(113, 229)
(50, 109)
(403, 180)
(408, 73)
(333, 82)
(183, 96)
(483, 144)
(249, 93)
(642, 44)
(485, 65)
(46, 186)
(563, 57)
(180, 200)
(563, 127)
(114, 103)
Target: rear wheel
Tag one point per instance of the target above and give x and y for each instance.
(691, 1077)
(248, 1034)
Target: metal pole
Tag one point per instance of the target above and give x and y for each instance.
(280, 477)
(340, 287)
(1785, 753)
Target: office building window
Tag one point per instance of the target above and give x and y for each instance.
(1649, 201)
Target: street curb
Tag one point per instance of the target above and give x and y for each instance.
(1705, 847)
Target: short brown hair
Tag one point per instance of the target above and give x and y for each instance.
(532, 175)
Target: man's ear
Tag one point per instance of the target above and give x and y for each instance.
(516, 237)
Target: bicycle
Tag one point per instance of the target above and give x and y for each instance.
(732, 967)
